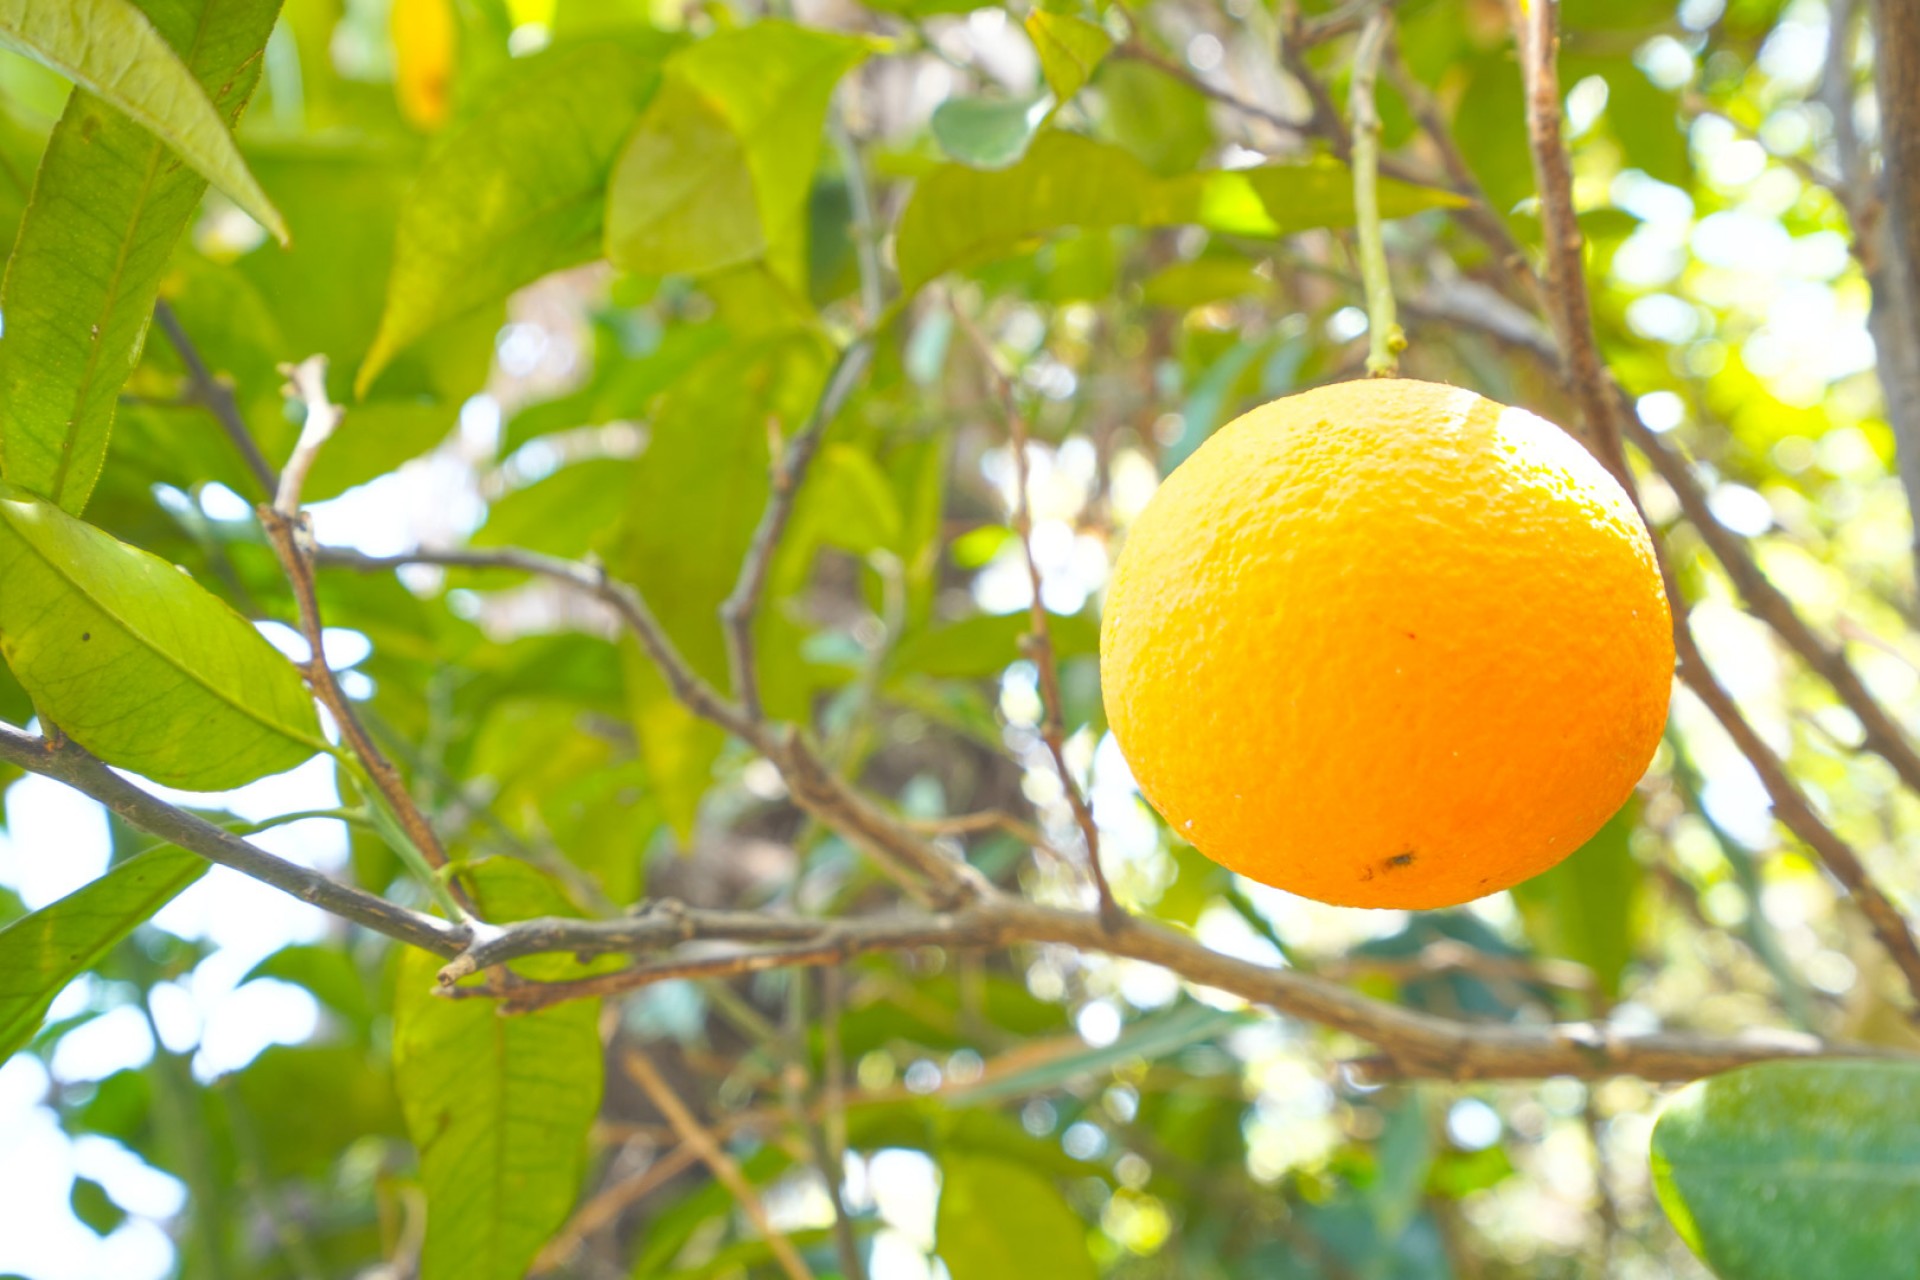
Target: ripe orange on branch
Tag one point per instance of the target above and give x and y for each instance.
(1387, 644)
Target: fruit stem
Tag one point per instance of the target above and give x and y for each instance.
(1385, 339)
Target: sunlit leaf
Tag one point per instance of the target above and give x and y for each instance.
(498, 1107)
(137, 662)
(42, 952)
(960, 216)
(517, 190)
(1792, 1169)
(1070, 49)
(716, 173)
(696, 494)
(985, 645)
(1000, 1219)
(124, 55)
(108, 204)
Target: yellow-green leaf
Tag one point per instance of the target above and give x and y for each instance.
(961, 217)
(999, 1219)
(717, 172)
(517, 190)
(499, 1108)
(113, 51)
(41, 953)
(108, 205)
(138, 663)
(1070, 49)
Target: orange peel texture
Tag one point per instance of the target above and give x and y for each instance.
(1387, 644)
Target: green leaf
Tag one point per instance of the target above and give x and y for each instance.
(93, 1206)
(1151, 1039)
(1070, 49)
(1794, 1169)
(716, 173)
(999, 1219)
(1210, 278)
(988, 133)
(1583, 909)
(517, 190)
(564, 514)
(984, 645)
(1319, 193)
(41, 953)
(695, 496)
(1159, 119)
(115, 53)
(499, 1108)
(107, 207)
(847, 503)
(960, 217)
(137, 662)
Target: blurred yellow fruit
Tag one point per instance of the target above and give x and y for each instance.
(426, 38)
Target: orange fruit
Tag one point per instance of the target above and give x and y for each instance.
(1387, 644)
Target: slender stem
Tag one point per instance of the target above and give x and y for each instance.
(604, 1208)
(742, 605)
(1385, 339)
(866, 227)
(216, 397)
(1038, 642)
(66, 761)
(714, 1156)
(1536, 32)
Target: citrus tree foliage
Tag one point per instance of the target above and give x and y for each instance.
(706, 392)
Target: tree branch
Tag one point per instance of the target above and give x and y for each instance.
(917, 865)
(1536, 32)
(1411, 1043)
(1892, 243)
(742, 605)
(288, 529)
(1038, 642)
(216, 397)
(66, 761)
(725, 1171)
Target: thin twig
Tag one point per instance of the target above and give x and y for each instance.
(215, 395)
(1134, 51)
(916, 864)
(306, 381)
(1385, 340)
(66, 761)
(1449, 956)
(825, 1154)
(866, 228)
(725, 1171)
(1331, 26)
(1038, 643)
(1478, 216)
(290, 532)
(1536, 31)
(742, 605)
(605, 1206)
(1882, 733)
(1797, 813)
